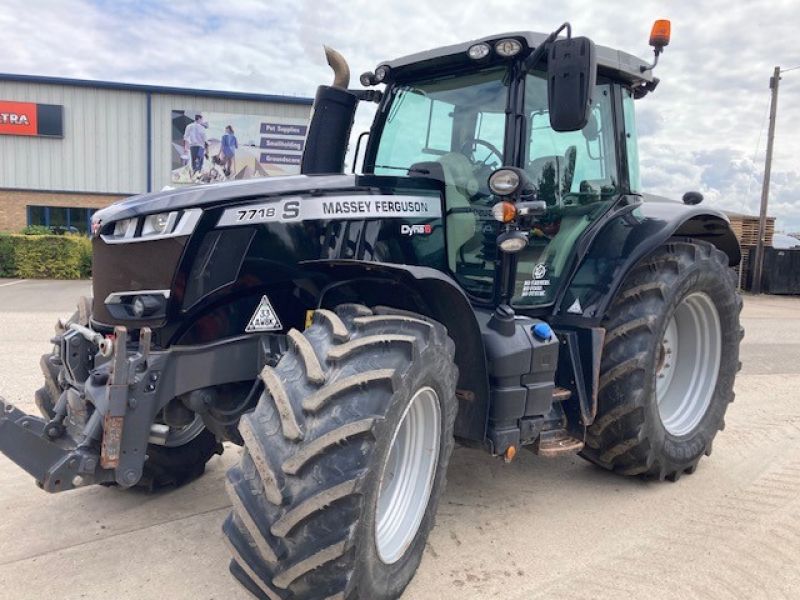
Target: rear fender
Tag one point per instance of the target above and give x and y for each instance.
(626, 239)
(430, 293)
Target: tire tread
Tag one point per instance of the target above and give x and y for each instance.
(298, 492)
(619, 438)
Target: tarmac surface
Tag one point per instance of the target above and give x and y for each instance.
(537, 528)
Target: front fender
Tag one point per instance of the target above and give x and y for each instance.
(626, 239)
(428, 292)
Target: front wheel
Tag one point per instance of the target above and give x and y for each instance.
(345, 458)
(670, 358)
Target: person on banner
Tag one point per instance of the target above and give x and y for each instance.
(194, 137)
(227, 151)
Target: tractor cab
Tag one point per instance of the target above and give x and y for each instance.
(456, 129)
(557, 112)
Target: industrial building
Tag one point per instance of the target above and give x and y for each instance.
(71, 146)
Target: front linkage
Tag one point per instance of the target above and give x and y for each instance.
(111, 393)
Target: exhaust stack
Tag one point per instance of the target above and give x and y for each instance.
(341, 72)
(331, 121)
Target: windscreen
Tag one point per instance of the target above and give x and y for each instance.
(453, 129)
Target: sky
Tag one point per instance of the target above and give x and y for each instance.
(704, 128)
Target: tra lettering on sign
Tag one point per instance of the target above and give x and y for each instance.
(14, 119)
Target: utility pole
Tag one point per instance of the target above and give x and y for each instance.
(762, 221)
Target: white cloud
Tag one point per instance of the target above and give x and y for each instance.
(699, 129)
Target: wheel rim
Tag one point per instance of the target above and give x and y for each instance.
(407, 476)
(688, 363)
(178, 436)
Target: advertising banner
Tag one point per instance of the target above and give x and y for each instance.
(208, 147)
(31, 119)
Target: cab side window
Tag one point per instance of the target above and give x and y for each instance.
(575, 174)
(573, 167)
(631, 144)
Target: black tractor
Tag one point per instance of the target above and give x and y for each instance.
(495, 278)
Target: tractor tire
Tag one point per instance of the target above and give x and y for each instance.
(165, 466)
(47, 395)
(345, 458)
(670, 358)
(174, 466)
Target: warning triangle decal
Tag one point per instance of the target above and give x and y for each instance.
(264, 319)
(576, 308)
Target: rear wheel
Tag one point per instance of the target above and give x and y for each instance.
(670, 358)
(345, 458)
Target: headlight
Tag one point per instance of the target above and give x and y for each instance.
(159, 224)
(156, 226)
(121, 228)
(479, 51)
(508, 47)
(504, 182)
(145, 306)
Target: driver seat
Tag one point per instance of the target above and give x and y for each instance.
(460, 185)
(455, 171)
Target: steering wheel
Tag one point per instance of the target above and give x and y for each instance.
(470, 152)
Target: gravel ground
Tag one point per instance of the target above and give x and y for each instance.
(536, 528)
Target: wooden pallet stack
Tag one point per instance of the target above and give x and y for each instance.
(746, 229)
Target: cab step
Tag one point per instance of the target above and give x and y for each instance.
(561, 394)
(557, 442)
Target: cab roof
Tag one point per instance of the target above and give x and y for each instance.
(610, 62)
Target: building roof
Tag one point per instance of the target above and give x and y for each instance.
(155, 89)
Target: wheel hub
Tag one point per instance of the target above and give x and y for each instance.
(180, 436)
(688, 362)
(407, 475)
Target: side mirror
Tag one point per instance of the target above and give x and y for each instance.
(571, 75)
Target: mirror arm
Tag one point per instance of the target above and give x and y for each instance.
(531, 61)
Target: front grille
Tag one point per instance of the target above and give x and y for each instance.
(130, 267)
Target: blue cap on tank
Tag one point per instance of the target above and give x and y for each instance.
(542, 331)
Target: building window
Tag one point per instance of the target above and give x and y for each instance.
(63, 218)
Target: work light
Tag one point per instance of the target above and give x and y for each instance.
(504, 182)
(381, 73)
(512, 241)
(479, 51)
(508, 47)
